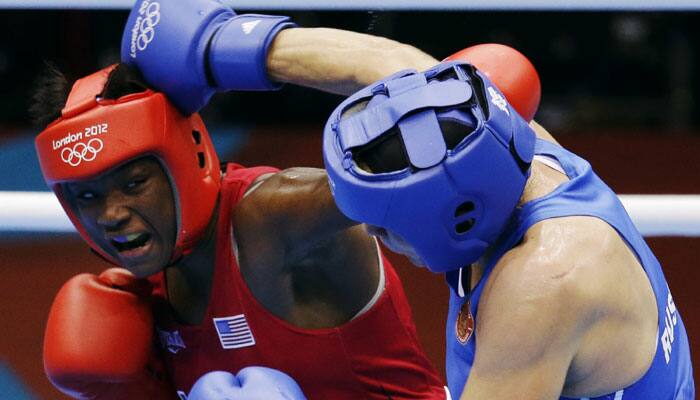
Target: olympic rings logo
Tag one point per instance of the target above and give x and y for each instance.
(147, 25)
(81, 152)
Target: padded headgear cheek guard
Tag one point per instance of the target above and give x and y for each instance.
(94, 136)
(449, 204)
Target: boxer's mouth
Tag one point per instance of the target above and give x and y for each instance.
(131, 241)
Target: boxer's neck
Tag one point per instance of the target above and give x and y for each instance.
(190, 279)
(541, 182)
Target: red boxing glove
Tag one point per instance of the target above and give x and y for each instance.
(98, 342)
(508, 69)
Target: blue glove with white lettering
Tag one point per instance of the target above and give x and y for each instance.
(251, 383)
(191, 49)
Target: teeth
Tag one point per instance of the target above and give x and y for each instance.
(127, 238)
(130, 241)
(120, 239)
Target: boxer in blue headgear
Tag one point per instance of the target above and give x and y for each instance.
(439, 181)
(548, 274)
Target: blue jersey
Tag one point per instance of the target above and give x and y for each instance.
(670, 375)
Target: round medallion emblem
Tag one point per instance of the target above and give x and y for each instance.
(465, 323)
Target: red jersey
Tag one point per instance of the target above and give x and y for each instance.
(376, 355)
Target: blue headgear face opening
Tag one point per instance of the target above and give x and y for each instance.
(438, 157)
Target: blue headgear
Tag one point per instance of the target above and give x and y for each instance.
(449, 204)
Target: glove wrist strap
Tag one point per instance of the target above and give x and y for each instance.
(238, 52)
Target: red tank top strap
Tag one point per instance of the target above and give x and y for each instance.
(239, 178)
(235, 183)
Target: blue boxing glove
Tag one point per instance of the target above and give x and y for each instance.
(191, 49)
(251, 383)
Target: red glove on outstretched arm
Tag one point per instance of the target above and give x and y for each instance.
(98, 342)
(508, 69)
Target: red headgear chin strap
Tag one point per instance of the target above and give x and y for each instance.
(94, 135)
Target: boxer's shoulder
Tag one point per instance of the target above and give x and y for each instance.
(550, 290)
(575, 259)
(574, 282)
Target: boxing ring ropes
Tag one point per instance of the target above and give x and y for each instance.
(654, 215)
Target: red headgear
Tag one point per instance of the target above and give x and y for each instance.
(95, 135)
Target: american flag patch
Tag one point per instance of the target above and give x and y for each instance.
(234, 332)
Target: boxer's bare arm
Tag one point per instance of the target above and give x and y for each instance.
(339, 61)
(568, 312)
(298, 202)
(343, 62)
(289, 226)
(531, 320)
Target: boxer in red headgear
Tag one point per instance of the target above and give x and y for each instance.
(266, 279)
(248, 266)
(252, 266)
(94, 135)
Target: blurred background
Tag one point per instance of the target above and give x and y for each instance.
(619, 88)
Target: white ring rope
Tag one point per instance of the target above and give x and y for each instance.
(654, 215)
(318, 5)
